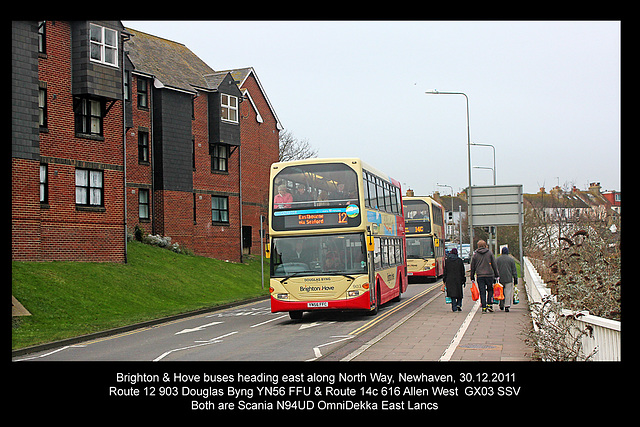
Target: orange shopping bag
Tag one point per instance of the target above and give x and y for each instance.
(498, 293)
(475, 293)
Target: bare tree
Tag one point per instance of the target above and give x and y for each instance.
(292, 148)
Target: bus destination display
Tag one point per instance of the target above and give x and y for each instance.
(316, 218)
(417, 227)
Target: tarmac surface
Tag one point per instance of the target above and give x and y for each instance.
(433, 332)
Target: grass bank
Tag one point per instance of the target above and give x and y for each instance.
(68, 299)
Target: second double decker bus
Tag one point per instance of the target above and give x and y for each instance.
(336, 236)
(424, 219)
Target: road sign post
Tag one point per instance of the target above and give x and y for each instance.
(495, 205)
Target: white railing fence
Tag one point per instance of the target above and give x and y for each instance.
(605, 333)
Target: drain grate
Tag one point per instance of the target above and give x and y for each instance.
(472, 346)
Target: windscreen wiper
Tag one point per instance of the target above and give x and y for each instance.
(295, 274)
(337, 273)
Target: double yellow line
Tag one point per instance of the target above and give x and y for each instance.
(386, 314)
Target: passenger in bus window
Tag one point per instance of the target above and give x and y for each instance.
(299, 253)
(412, 214)
(283, 199)
(322, 197)
(301, 197)
(340, 194)
(333, 261)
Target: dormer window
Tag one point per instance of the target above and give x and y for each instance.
(104, 45)
(229, 111)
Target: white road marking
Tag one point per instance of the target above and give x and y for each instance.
(198, 328)
(365, 346)
(44, 355)
(316, 350)
(211, 341)
(311, 325)
(446, 356)
(267, 321)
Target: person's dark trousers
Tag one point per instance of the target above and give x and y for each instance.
(485, 286)
(456, 304)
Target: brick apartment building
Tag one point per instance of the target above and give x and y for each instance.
(113, 128)
(67, 160)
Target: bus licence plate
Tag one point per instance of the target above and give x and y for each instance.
(317, 304)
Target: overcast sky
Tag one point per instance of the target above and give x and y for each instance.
(545, 94)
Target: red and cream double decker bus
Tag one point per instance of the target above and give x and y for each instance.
(336, 234)
(424, 218)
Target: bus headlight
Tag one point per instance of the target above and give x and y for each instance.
(353, 293)
(282, 296)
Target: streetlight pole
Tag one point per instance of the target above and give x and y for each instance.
(494, 158)
(494, 183)
(491, 169)
(448, 186)
(435, 92)
(453, 222)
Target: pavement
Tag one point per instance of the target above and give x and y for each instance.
(433, 332)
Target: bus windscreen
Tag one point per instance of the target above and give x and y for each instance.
(316, 255)
(417, 217)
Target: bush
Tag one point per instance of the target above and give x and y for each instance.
(580, 261)
(555, 336)
(159, 241)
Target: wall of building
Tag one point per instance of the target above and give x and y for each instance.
(260, 148)
(58, 229)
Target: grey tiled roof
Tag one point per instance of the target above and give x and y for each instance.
(172, 63)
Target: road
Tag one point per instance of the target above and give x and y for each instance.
(248, 333)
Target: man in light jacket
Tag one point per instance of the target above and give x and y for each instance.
(508, 277)
(483, 265)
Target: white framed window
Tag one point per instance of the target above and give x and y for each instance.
(89, 187)
(229, 106)
(44, 184)
(103, 45)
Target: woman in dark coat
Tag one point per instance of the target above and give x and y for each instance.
(454, 279)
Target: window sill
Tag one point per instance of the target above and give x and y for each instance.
(89, 136)
(83, 208)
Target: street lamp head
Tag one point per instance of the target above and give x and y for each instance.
(432, 92)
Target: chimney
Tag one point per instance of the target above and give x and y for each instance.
(541, 190)
(594, 188)
(409, 193)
